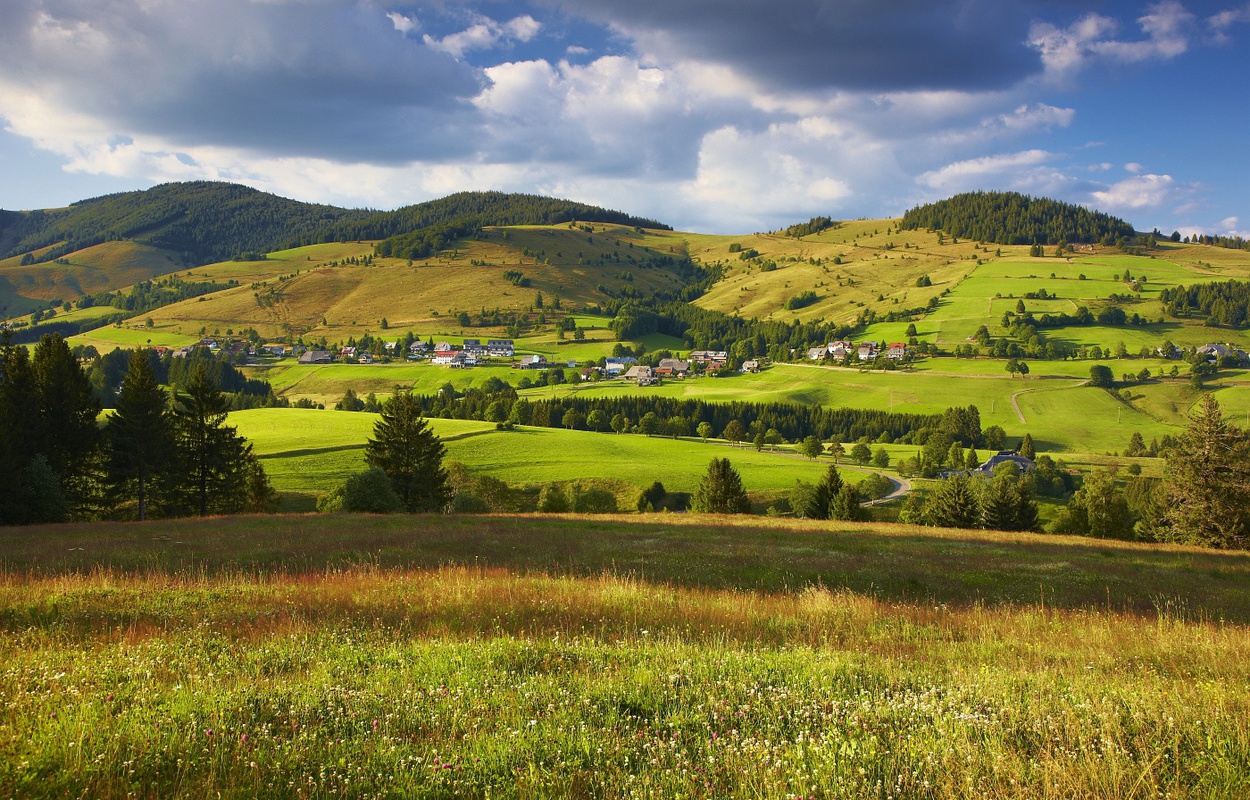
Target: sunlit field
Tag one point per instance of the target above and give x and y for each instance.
(297, 657)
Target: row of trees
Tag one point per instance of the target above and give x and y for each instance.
(157, 454)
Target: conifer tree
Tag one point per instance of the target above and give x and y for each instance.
(954, 504)
(215, 458)
(66, 430)
(141, 459)
(720, 491)
(821, 501)
(1026, 447)
(1208, 480)
(846, 505)
(411, 455)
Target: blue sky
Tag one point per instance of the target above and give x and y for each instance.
(712, 115)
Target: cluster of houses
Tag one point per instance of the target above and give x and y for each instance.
(866, 351)
(473, 351)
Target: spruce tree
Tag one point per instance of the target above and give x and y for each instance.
(846, 505)
(141, 458)
(1026, 447)
(1208, 480)
(411, 455)
(820, 504)
(215, 458)
(68, 435)
(19, 418)
(954, 504)
(720, 491)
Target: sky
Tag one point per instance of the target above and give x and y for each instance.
(719, 116)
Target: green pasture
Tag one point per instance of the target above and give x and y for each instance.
(111, 337)
(1065, 415)
(306, 453)
(328, 382)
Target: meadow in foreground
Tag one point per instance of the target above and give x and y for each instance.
(530, 657)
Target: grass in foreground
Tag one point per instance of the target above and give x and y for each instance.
(314, 657)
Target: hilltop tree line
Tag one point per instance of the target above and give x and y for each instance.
(206, 221)
(202, 221)
(1014, 218)
(1225, 303)
(813, 225)
(159, 453)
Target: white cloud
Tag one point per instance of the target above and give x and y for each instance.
(403, 24)
(1133, 167)
(1130, 194)
(968, 174)
(485, 35)
(1168, 28)
(1219, 24)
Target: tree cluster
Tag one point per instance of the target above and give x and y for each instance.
(1013, 218)
(157, 454)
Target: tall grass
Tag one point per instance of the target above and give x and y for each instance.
(378, 676)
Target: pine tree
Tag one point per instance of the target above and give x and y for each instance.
(720, 491)
(821, 501)
(215, 458)
(1026, 447)
(68, 435)
(1208, 480)
(404, 447)
(954, 504)
(141, 458)
(846, 505)
(19, 416)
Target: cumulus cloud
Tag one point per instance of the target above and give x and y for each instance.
(321, 79)
(403, 24)
(1219, 25)
(485, 35)
(1168, 28)
(1132, 194)
(975, 171)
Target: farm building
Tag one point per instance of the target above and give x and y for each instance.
(644, 375)
(672, 367)
(316, 357)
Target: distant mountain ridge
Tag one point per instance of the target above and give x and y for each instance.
(206, 221)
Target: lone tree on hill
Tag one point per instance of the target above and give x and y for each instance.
(141, 459)
(1026, 447)
(404, 447)
(720, 491)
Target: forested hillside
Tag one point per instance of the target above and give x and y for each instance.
(204, 221)
(201, 221)
(476, 209)
(1013, 218)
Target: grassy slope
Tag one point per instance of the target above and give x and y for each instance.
(426, 296)
(104, 267)
(1062, 415)
(694, 657)
(307, 453)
